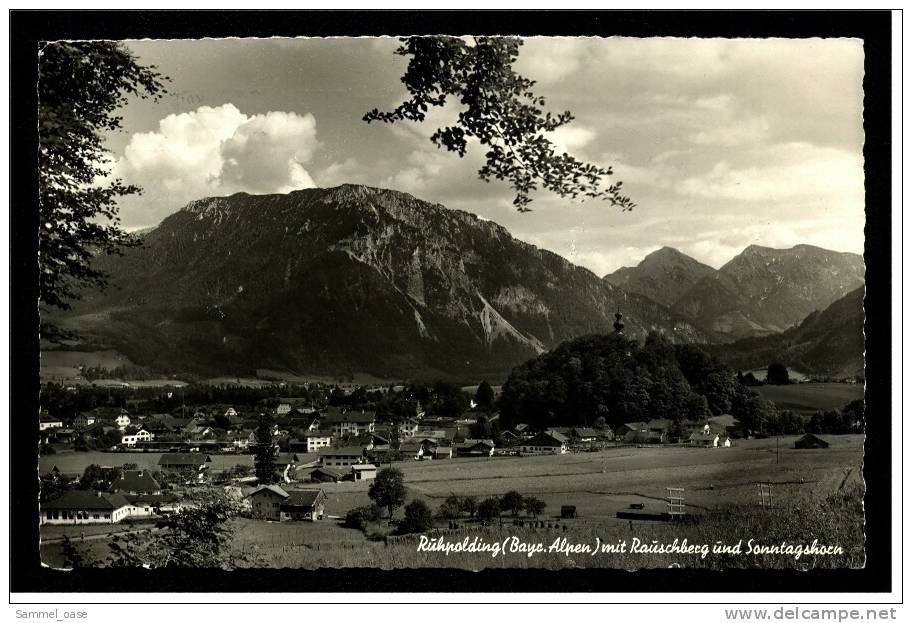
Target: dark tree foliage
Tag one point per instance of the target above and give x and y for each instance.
(777, 374)
(785, 423)
(484, 397)
(450, 508)
(611, 377)
(196, 537)
(856, 411)
(264, 453)
(80, 87)
(488, 510)
(388, 489)
(512, 502)
(51, 486)
(501, 111)
(418, 518)
(534, 506)
(98, 478)
(468, 505)
(360, 516)
(755, 414)
(833, 422)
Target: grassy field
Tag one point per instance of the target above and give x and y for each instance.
(811, 397)
(599, 484)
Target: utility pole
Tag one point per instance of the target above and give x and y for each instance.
(777, 448)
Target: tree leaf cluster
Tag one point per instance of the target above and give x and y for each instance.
(501, 111)
(81, 85)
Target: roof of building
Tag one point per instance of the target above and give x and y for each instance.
(361, 468)
(349, 417)
(317, 433)
(147, 498)
(582, 431)
(810, 439)
(558, 436)
(549, 438)
(328, 471)
(86, 500)
(659, 424)
(276, 489)
(46, 417)
(184, 458)
(139, 480)
(302, 497)
(286, 458)
(346, 451)
(468, 443)
(634, 426)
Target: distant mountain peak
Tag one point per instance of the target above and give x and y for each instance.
(350, 279)
(663, 275)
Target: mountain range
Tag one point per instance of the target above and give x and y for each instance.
(827, 343)
(344, 280)
(761, 291)
(354, 279)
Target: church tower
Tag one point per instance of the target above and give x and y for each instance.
(618, 324)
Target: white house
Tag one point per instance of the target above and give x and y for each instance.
(350, 423)
(341, 457)
(364, 472)
(409, 428)
(551, 442)
(142, 435)
(46, 422)
(122, 421)
(317, 440)
(86, 507)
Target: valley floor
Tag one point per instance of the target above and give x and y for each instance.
(599, 484)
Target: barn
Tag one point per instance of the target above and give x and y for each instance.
(809, 442)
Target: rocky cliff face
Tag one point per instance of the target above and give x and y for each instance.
(827, 343)
(763, 290)
(349, 279)
(663, 275)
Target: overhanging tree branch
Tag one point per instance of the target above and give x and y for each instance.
(502, 112)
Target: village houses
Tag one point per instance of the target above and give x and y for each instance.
(551, 442)
(275, 503)
(85, 507)
(349, 423)
(342, 457)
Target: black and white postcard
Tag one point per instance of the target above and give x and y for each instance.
(466, 302)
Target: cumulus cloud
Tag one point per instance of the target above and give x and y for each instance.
(215, 151)
(551, 59)
(267, 153)
(571, 138)
(344, 172)
(791, 171)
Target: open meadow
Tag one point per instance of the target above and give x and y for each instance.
(601, 483)
(808, 398)
(720, 488)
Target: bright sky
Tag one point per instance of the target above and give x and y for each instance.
(722, 143)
